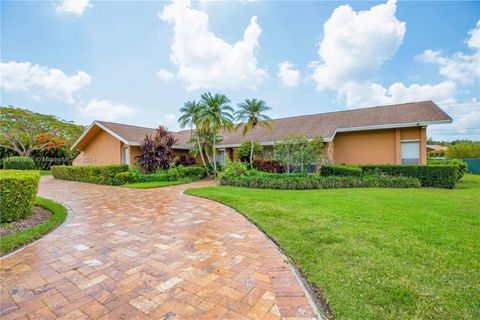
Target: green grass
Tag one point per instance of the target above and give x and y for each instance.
(377, 253)
(18, 239)
(154, 184)
(45, 173)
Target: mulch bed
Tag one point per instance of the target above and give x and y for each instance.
(39, 216)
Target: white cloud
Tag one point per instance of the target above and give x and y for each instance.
(170, 117)
(165, 75)
(207, 61)
(105, 110)
(76, 7)
(25, 76)
(288, 74)
(459, 67)
(356, 44)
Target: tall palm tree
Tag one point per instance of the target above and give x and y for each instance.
(250, 115)
(217, 115)
(190, 117)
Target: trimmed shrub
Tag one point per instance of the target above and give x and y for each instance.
(91, 174)
(306, 182)
(234, 170)
(173, 174)
(194, 172)
(124, 177)
(437, 176)
(336, 170)
(460, 165)
(272, 166)
(18, 163)
(143, 177)
(17, 193)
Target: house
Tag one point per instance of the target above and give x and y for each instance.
(394, 134)
(436, 147)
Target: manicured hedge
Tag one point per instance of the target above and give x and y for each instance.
(92, 174)
(437, 176)
(194, 172)
(149, 177)
(306, 182)
(19, 163)
(459, 164)
(339, 170)
(18, 189)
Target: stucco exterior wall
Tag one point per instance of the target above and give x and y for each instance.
(376, 146)
(103, 149)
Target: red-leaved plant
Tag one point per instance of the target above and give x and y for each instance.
(156, 152)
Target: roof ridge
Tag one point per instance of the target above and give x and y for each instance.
(124, 124)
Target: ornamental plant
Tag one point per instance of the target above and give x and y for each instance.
(297, 153)
(156, 152)
(243, 151)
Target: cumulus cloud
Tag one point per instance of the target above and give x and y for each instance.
(169, 117)
(105, 110)
(165, 75)
(459, 67)
(76, 7)
(55, 83)
(288, 74)
(206, 61)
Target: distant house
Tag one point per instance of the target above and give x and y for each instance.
(394, 134)
(436, 147)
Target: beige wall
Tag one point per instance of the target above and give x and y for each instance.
(102, 149)
(376, 146)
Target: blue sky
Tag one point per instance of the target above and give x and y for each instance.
(138, 62)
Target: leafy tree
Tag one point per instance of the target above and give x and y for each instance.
(190, 117)
(203, 139)
(156, 152)
(464, 150)
(216, 115)
(244, 150)
(250, 115)
(21, 130)
(298, 153)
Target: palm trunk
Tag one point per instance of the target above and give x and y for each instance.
(251, 152)
(201, 151)
(214, 158)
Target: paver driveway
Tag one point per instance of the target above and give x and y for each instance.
(148, 254)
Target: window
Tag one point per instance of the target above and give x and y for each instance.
(410, 152)
(125, 156)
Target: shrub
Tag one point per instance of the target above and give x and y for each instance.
(92, 174)
(18, 163)
(243, 151)
(143, 177)
(437, 176)
(272, 166)
(194, 172)
(185, 160)
(460, 165)
(436, 153)
(17, 193)
(233, 170)
(124, 177)
(464, 150)
(336, 170)
(173, 174)
(307, 182)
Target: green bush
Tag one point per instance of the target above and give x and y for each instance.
(337, 170)
(243, 151)
(149, 177)
(464, 150)
(194, 172)
(307, 182)
(437, 176)
(91, 174)
(18, 163)
(173, 174)
(124, 177)
(17, 193)
(233, 170)
(460, 165)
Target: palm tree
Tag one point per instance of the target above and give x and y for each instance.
(190, 117)
(217, 115)
(250, 115)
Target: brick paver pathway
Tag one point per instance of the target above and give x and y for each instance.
(148, 254)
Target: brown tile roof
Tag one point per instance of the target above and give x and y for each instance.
(310, 126)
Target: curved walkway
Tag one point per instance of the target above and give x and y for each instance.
(148, 254)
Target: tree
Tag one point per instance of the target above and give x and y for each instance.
(156, 152)
(250, 115)
(216, 115)
(203, 139)
(190, 117)
(464, 150)
(244, 151)
(297, 153)
(21, 130)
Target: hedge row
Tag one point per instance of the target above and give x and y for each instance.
(92, 174)
(459, 164)
(437, 176)
(17, 193)
(173, 174)
(18, 163)
(305, 182)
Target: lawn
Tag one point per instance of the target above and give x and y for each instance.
(377, 253)
(154, 184)
(45, 173)
(18, 239)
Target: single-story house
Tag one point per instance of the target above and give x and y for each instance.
(394, 134)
